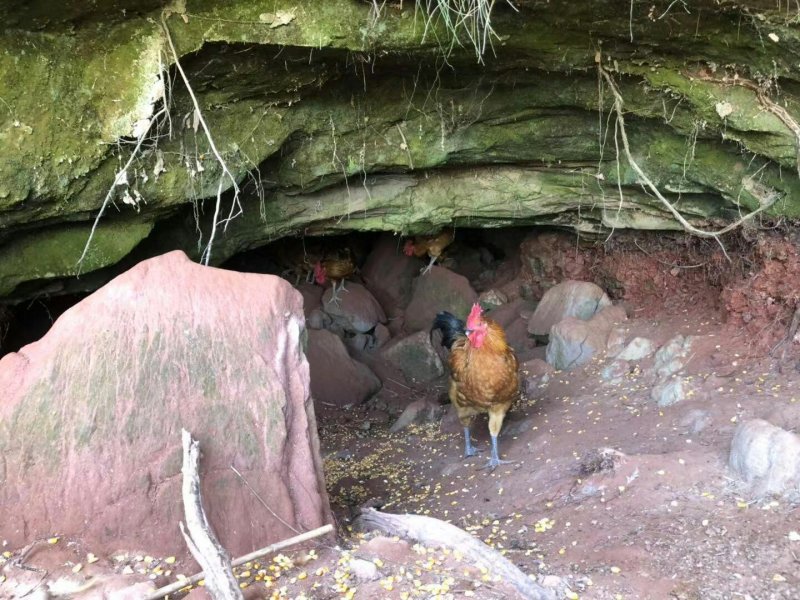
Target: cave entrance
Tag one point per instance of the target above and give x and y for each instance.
(27, 322)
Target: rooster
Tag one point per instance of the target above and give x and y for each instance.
(432, 245)
(483, 373)
(337, 268)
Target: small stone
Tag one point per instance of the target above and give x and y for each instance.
(492, 298)
(672, 356)
(381, 335)
(357, 310)
(767, 458)
(359, 342)
(578, 299)
(615, 371)
(364, 570)
(534, 373)
(573, 342)
(552, 581)
(669, 393)
(696, 421)
(317, 319)
(419, 411)
(637, 349)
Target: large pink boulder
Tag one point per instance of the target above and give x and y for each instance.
(91, 415)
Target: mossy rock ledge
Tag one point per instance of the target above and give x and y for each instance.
(333, 118)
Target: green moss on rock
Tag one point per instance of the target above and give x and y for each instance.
(53, 253)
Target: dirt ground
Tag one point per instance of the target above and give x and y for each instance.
(608, 495)
(667, 520)
(617, 497)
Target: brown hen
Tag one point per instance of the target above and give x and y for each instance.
(337, 267)
(432, 245)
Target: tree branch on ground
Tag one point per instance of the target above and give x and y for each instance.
(255, 555)
(435, 533)
(202, 542)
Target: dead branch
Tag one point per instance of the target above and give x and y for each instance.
(766, 198)
(202, 542)
(256, 554)
(261, 500)
(433, 532)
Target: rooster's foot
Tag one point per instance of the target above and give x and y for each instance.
(469, 449)
(493, 463)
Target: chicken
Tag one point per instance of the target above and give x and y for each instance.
(432, 245)
(483, 373)
(337, 267)
(297, 258)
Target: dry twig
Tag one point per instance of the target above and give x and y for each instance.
(256, 554)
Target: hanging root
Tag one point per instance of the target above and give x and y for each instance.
(226, 173)
(766, 197)
(121, 177)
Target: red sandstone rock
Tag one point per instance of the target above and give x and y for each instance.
(91, 415)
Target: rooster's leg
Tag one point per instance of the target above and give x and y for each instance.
(469, 449)
(495, 461)
(495, 423)
(430, 265)
(334, 295)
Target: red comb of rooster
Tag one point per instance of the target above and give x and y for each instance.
(474, 317)
(319, 273)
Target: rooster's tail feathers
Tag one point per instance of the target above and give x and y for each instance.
(451, 327)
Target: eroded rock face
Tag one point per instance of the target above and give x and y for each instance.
(91, 415)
